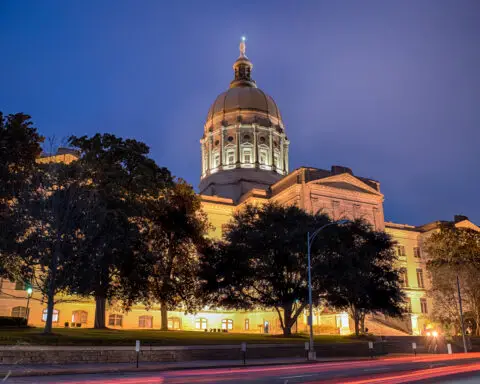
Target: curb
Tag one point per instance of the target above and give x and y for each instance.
(94, 370)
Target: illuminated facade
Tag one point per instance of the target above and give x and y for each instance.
(244, 157)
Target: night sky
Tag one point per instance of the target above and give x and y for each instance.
(390, 89)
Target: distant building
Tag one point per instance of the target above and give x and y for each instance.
(244, 153)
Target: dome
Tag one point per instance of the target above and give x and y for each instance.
(244, 98)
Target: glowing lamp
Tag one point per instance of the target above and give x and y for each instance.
(244, 38)
(429, 334)
(29, 290)
(434, 333)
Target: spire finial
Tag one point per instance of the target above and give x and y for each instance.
(243, 47)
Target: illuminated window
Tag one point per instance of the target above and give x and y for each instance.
(145, 322)
(54, 316)
(247, 156)
(247, 324)
(401, 250)
(79, 317)
(423, 305)
(263, 157)
(19, 312)
(173, 323)
(201, 323)
(230, 157)
(276, 160)
(416, 252)
(420, 279)
(403, 277)
(227, 324)
(216, 160)
(115, 320)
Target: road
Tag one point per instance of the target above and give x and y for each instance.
(421, 369)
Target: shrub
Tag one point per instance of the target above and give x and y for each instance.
(8, 321)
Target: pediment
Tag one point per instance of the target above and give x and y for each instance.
(346, 182)
(467, 224)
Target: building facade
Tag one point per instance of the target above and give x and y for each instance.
(244, 160)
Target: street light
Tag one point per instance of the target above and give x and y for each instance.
(29, 293)
(310, 239)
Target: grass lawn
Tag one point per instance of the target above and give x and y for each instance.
(85, 336)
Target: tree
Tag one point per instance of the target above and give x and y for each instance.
(175, 231)
(362, 274)
(454, 252)
(114, 262)
(20, 146)
(262, 262)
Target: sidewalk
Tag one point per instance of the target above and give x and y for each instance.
(19, 370)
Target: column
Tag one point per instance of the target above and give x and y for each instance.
(222, 134)
(238, 146)
(271, 149)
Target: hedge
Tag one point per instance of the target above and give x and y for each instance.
(8, 321)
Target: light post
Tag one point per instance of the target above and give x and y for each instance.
(29, 293)
(310, 239)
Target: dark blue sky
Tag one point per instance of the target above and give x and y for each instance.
(388, 88)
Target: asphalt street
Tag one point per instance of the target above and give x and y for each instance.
(425, 369)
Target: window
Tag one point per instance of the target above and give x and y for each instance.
(263, 157)
(173, 323)
(409, 304)
(416, 252)
(230, 157)
(54, 316)
(247, 156)
(145, 322)
(227, 324)
(420, 278)
(19, 285)
(275, 160)
(115, 320)
(79, 317)
(403, 277)
(216, 160)
(423, 305)
(401, 250)
(19, 312)
(247, 324)
(201, 323)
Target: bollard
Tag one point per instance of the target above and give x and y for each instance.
(414, 347)
(307, 348)
(243, 347)
(137, 349)
(370, 347)
(449, 348)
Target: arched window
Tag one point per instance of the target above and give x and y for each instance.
(227, 324)
(19, 312)
(145, 321)
(79, 317)
(247, 155)
(201, 323)
(115, 320)
(54, 316)
(173, 323)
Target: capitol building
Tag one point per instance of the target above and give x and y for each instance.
(244, 152)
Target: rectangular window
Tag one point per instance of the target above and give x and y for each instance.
(420, 279)
(247, 156)
(409, 304)
(404, 277)
(230, 157)
(54, 316)
(423, 305)
(416, 252)
(216, 160)
(145, 322)
(173, 323)
(115, 320)
(247, 324)
(275, 161)
(201, 323)
(401, 250)
(19, 285)
(227, 324)
(263, 157)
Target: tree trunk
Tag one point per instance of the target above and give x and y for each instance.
(164, 316)
(100, 303)
(362, 322)
(51, 291)
(356, 320)
(287, 323)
